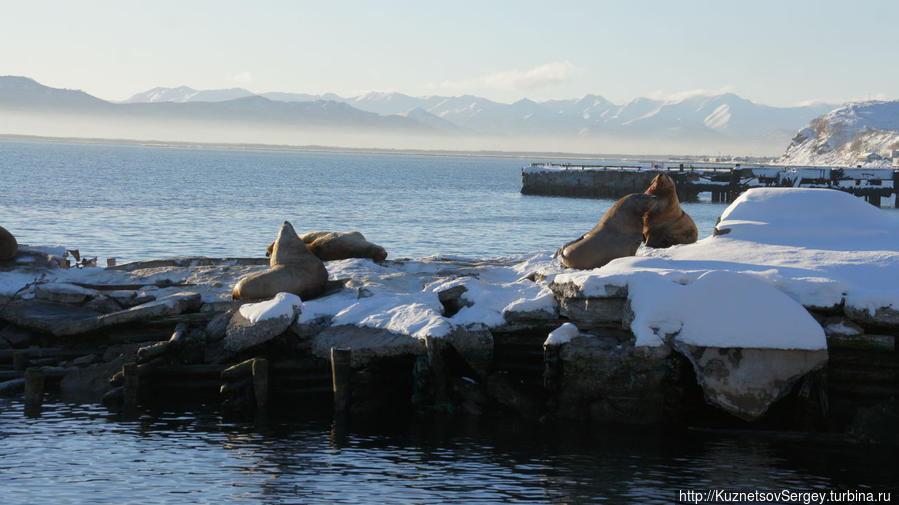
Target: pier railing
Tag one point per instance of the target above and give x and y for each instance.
(725, 182)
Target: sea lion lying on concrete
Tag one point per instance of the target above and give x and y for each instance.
(667, 224)
(8, 245)
(294, 269)
(618, 234)
(336, 245)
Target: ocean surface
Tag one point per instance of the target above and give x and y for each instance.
(135, 203)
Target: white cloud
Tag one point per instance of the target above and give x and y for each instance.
(242, 77)
(683, 95)
(541, 76)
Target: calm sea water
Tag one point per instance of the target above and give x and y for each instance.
(142, 202)
(137, 203)
(82, 454)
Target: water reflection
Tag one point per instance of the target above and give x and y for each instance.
(75, 451)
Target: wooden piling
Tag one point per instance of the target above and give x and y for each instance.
(238, 371)
(434, 347)
(552, 368)
(131, 385)
(341, 370)
(260, 382)
(34, 389)
(19, 360)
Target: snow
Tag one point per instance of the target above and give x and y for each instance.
(818, 247)
(839, 137)
(720, 309)
(282, 305)
(403, 296)
(562, 335)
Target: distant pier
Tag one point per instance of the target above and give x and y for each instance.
(724, 182)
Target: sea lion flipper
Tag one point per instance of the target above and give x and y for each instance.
(561, 250)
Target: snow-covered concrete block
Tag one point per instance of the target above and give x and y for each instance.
(746, 382)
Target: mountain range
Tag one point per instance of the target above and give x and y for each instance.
(699, 123)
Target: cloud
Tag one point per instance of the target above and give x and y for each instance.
(683, 95)
(242, 77)
(541, 76)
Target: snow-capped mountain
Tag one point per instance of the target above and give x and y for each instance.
(23, 95)
(847, 135)
(183, 94)
(698, 123)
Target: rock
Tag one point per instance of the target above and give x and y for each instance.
(883, 317)
(608, 379)
(452, 300)
(475, 345)
(841, 327)
(170, 305)
(16, 337)
(877, 423)
(367, 343)
(104, 305)
(87, 359)
(294, 269)
(745, 382)
(124, 297)
(595, 312)
(89, 383)
(63, 320)
(8, 245)
(62, 292)
(215, 329)
(257, 323)
(501, 390)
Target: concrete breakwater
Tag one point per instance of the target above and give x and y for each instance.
(148, 333)
(723, 183)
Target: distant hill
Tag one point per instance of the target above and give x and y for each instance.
(844, 135)
(723, 116)
(184, 104)
(695, 124)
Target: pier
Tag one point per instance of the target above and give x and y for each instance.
(724, 183)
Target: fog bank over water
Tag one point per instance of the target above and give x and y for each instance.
(48, 124)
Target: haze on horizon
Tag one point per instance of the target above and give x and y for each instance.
(769, 52)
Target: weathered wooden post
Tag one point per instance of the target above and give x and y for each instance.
(34, 390)
(552, 375)
(131, 385)
(341, 370)
(19, 360)
(552, 368)
(896, 188)
(260, 382)
(438, 369)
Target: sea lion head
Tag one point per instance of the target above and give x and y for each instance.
(663, 187)
(288, 248)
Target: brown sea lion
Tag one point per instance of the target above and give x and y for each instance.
(8, 245)
(667, 224)
(618, 234)
(336, 245)
(294, 269)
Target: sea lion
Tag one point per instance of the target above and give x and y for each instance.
(667, 224)
(8, 245)
(336, 245)
(294, 269)
(618, 234)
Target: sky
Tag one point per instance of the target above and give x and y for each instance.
(772, 52)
